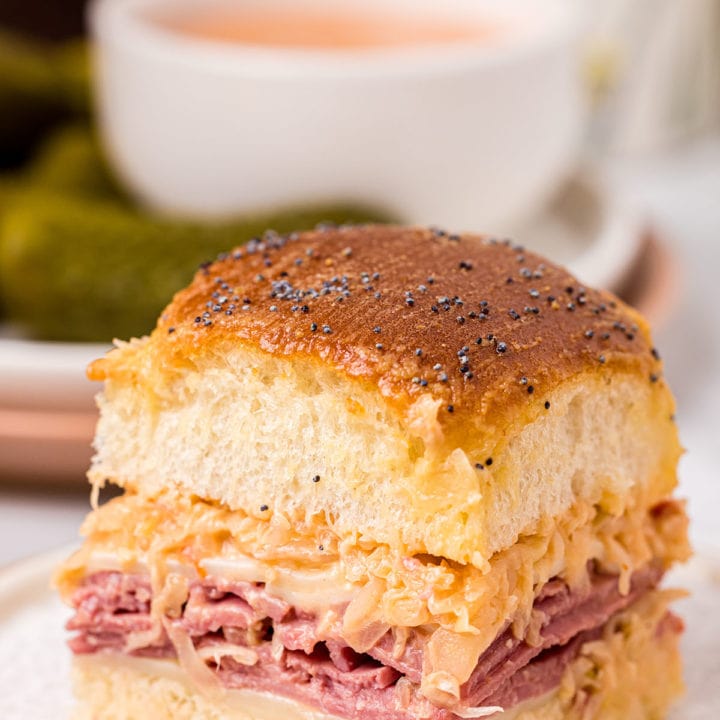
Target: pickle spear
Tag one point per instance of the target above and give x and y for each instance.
(73, 268)
(79, 260)
(71, 162)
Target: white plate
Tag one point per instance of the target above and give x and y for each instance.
(47, 375)
(34, 662)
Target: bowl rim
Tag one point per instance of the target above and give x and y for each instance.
(124, 23)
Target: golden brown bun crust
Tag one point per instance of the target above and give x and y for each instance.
(503, 325)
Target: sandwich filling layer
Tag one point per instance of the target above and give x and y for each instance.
(419, 622)
(615, 677)
(230, 634)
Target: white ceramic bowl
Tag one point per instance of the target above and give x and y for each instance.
(467, 136)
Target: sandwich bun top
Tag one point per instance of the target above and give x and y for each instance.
(481, 324)
(477, 389)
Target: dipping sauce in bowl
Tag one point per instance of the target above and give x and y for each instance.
(464, 113)
(333, 28)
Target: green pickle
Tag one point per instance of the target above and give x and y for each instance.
(78, 269)
(72, 62)
(70, 162)
(79, 260)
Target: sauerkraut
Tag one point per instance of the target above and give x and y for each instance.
(462, 607)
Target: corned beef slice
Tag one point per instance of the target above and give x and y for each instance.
(294, 660)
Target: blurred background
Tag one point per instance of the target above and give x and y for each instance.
(590, 132)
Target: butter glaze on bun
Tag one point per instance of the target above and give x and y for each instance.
(436, 393)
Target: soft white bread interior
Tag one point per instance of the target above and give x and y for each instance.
(435, 394)
(253, 431)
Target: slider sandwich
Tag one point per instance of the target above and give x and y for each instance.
(381, 473)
